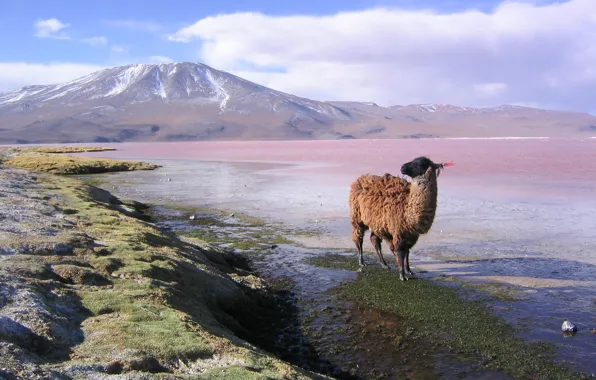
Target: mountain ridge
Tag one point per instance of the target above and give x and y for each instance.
(193, 101)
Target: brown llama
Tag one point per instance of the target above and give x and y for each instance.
(395, 210)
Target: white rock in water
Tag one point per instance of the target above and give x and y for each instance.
(169, 179)
(192, 217)
(568, 326)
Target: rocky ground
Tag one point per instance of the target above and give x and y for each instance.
(90, 288)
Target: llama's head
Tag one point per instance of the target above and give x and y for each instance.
(418, 167)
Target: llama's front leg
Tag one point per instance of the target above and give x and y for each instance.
(400, 257)
(410, 244)
(408, 270)
(358, 238)
(376, 242)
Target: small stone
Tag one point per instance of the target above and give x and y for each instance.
(593, 331)
(192, 217)
(273, 246)
(169, 179)
(232, 215)
(568, 327)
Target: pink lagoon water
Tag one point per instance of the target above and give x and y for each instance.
(523, 189)
(515, 211)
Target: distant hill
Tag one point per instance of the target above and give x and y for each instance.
(192, 101)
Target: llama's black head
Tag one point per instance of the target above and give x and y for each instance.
(418, 167)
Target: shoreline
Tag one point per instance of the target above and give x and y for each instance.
(109, 292)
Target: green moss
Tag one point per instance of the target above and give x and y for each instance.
(240, 373)
(251, 235)
(65, 149)
(335, 261)
(440, 314)
(152, 329)
(234, 372)
(501, 291)
(65, 164)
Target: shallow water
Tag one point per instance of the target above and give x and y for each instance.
(518, 212)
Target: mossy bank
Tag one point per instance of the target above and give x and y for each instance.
(91, 287)
(430, 312)
(55, 160)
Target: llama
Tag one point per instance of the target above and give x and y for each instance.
(395, 210)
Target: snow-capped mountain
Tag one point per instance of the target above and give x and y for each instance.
(188, 101)
(172, 82)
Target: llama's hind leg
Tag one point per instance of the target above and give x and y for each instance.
(376, 242)
(358, 238)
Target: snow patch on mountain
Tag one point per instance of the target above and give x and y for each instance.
(218, 86)
(160, 90)
(125, 79)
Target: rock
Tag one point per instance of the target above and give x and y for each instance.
(593, 331)
(192, 217)
(77, 275)
(568, 327)
(169, 179)
(16, 333)
(232, 215)
(114, 367)
(273, 246)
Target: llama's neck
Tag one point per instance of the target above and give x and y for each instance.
(422, 203)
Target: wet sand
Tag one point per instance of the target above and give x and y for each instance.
(519, 212)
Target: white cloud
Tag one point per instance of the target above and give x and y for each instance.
(54, 28)
(14, 75)
(490, 89)
(518, 53)
(145, 26)
(159, 59)
(95, 41)
(51, 28)
(119, 49)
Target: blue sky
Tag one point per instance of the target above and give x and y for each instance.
(465, 52)
(154, 19)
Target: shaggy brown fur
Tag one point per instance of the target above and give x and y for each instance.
(395, 210)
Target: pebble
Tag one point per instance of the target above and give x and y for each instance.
(568, 326)
(192, 217)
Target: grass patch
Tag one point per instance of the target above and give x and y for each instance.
(64, 164)
(134, 322)
(440, 314)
